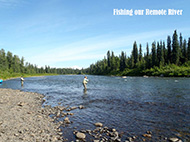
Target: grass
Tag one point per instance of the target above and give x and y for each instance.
(7, 75)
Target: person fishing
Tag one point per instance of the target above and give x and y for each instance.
(85, 81)
(22, 81)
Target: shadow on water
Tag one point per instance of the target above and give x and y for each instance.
(132, 105)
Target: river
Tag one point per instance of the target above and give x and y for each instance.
(131, 105)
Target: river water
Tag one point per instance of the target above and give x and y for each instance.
(131, 105)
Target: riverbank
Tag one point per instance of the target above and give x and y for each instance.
(23, 118)
(8, 76)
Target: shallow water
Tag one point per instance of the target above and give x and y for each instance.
(132, 105)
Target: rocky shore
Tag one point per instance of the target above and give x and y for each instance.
(22, 118)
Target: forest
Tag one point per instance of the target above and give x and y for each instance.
(161, 59)
(12, 66)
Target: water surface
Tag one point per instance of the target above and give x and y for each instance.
(132, 105)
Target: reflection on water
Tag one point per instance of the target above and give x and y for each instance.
(132, 105)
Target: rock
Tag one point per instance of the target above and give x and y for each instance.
(113, 130)
(80, 135)
(96, 141)
(130, 139)
(66, 120)
(72, 108)
(58, 113)
(98, 124)
(21, 104)
(148, 132)
(147, 135)
(81, 107)
(174, 140)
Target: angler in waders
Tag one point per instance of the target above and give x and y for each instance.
(85, 81)
(22, 81)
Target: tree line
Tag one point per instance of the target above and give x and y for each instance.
(170, 59)
(12, 64)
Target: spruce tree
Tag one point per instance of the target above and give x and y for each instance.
(164, 52)
(140, 53)
(184, 51)
(10, 60)
(180, 48)
(16, 64)
(147, 57)
(162, 60)
(175, 51)
(122, 61)
(169, 52)
(153, 54)
(22, 65)
(113, 62)
(109, 59)
(135, 53)
(159, 54)
(188, 50)
(3, 60)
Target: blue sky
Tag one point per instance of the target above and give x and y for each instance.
(76, 33)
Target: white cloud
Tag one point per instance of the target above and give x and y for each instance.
(11, 3)
(96, 47)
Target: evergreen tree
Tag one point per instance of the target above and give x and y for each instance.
(135, 53)
(122, 61)
(147, 57)
(147, 50)
(162, 60)
(159, 53)
(153, 54)
(109, 59)
(184, 51)
(3, 60)
(175, 51)
(180, 48)
(22, 65)
(10, 60)
(164, 52)
(113, 62)
(16, 64)
(188, 50)
(169, 52)
(140, 53)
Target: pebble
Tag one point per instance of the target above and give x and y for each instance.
(81, 107)
(113, 130)
(80, 135)
(147, 135)
(174, 140)
(98, 124)
(21, 104)
(66, 120)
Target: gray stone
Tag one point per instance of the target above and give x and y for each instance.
(67, 120)
(174, 140)
(80, 135)
(98, 124)
(21, 104)
(81, 107)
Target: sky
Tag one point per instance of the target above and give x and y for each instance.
(77, 33)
